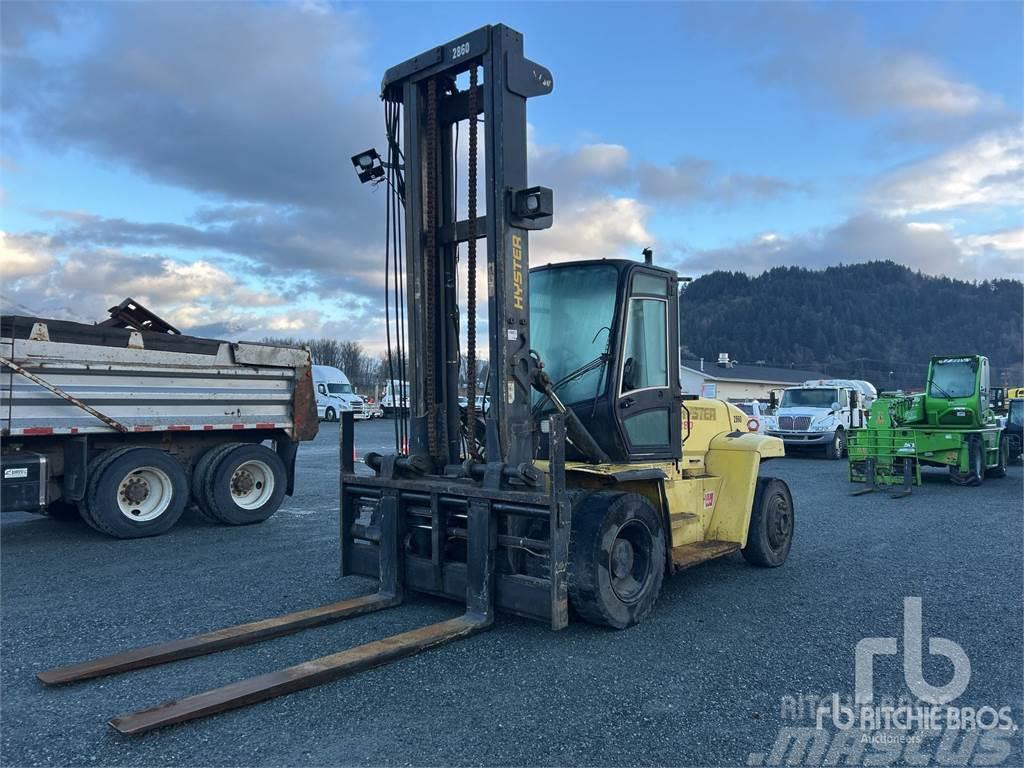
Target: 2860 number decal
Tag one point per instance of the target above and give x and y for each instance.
(458, 51)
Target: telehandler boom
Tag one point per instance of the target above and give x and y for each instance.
(590, 476)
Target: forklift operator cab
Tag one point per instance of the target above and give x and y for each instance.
(604, 332)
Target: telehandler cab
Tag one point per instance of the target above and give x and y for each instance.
(589, 478)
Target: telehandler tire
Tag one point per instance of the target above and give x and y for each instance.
(616, 558)
(771, 524)
(975, 462)
(999, 470)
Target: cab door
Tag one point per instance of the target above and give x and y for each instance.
(647, 403)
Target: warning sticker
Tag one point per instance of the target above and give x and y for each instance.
(709, 499)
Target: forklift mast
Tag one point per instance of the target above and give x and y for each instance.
(424, 92)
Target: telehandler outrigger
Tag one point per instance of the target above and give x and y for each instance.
(589, 477)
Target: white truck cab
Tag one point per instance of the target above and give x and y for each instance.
(334, 394)
(820, 413)
(395, 400)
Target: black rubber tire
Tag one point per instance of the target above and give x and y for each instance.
(330, 414)
(96, 467)
(200, 471)
(220, 501)
(837, 448)
(101, 510)
(999, 470)
(975, 461)
(598, 520)
(770, 535)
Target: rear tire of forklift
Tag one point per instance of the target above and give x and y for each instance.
(135, 492)
(771, 524)
(975, 461)
(999, 470)
(836, 448)
(246, 485)
(616, 558)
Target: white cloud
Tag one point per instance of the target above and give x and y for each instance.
(988, 171)
(23, 255)
(593, 229)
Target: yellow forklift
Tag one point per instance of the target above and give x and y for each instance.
(589, 478)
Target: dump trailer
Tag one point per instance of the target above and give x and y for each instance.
(130, 424)
(951, 424)
(589, 479)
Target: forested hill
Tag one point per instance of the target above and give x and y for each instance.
(857, 321)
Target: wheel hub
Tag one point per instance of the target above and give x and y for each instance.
(622, 558)
(780, 522)
(135, 491)
(242, 482)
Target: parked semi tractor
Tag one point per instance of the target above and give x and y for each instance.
(395, 399)
(131, 425)
(820, 413)
(951, 424)
(334, 395)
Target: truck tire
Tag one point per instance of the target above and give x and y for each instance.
(836, 448)
(135, 492)
(999, 470)
(616, 558)
(330, 414)
(246, 485)
(975, 462)
(200, 471)
(771, 524)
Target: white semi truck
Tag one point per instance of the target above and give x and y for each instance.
(131, 425)
(820, 413)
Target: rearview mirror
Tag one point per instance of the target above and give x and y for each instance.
(836, 406)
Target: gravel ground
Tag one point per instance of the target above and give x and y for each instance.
(704, 681)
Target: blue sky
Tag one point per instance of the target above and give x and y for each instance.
(195, 155)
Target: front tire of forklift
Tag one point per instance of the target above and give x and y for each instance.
(836, 448)
(616, 558)
(999, 470)
(135, 492)
(975, 461)
(246, 485)
(771, 524)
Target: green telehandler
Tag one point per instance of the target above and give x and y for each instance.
(951, 424)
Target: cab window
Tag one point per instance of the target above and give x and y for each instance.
(645, 359)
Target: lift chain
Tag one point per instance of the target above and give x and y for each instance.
(471, 277)
(429, 379)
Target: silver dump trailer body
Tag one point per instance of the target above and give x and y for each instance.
(130, 426)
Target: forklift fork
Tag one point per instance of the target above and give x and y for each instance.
(908, 480)
(479, 615)
(870, 486)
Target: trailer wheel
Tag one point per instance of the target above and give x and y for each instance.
(837, 447)
(771, 524)
(616, 558)
(135, 492)
(200, 471)
(999, 470)
(975, 461)
(330, 414)
(246, 485)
